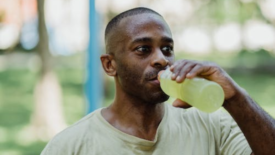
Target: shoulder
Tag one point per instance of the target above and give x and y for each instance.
(74, 136)
(80, 127)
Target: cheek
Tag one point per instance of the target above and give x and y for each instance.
(132, 68)
(129, 73)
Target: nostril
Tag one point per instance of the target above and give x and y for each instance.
(161, 64)
(158, 65)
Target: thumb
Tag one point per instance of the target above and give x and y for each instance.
(180, 104)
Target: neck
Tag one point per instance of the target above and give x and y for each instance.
(134, 117)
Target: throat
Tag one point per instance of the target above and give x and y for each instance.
(141, 122)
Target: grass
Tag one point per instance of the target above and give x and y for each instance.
(16, 103)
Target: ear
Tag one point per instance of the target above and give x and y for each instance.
(108, 63)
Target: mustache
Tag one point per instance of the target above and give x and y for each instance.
(153, 74)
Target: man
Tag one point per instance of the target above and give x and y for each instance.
(139, 44)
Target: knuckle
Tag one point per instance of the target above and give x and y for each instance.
(212, 64)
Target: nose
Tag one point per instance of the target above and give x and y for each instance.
(159, 60)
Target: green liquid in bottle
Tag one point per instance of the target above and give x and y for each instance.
(203, 94)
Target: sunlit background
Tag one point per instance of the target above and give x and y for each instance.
(43, 75)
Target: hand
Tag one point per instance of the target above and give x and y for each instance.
(189, 69)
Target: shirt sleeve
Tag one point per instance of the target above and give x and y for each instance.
(55, 149)
(232, 140)
(46, 150)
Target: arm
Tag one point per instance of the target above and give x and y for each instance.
(257, 126)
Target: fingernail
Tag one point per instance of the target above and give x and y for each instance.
(173, 75)
(178, 78)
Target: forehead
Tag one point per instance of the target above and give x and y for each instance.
(144, 25)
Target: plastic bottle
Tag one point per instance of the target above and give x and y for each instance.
(205, 95)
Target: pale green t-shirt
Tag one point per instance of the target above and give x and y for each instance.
(181, 132)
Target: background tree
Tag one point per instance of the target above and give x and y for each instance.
(47, 118)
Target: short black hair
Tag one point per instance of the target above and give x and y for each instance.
(135, 11)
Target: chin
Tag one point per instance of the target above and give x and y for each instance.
(157, 98)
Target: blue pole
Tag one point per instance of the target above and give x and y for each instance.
(93, 88)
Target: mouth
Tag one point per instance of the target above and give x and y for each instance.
(155, 81)
(152, 77)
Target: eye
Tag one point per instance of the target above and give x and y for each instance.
(167, 49)
(143, 49)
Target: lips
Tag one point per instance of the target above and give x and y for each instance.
(153, 76)
(155, 81)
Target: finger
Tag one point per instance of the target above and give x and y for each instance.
(195, 71)
(184, 70)
(181, 104)
(172, 67)
(177, 69)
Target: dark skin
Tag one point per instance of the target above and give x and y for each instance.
(138, 106)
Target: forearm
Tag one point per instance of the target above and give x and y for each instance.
(257, 126)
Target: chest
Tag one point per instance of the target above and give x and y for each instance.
(170, 141)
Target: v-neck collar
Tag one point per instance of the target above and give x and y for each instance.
(130, 138)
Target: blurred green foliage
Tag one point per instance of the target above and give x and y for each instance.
(17, 103)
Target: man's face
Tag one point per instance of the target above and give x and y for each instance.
(145, 48)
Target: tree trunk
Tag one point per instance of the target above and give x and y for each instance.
(47, 119)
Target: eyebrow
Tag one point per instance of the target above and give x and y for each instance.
(148, 40)
(167, 39)
(142, 40)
